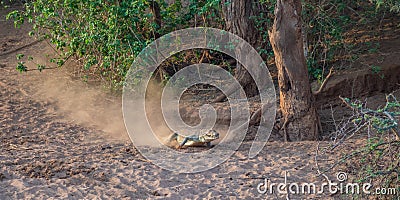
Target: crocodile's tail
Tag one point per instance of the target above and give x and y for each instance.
(173, 137)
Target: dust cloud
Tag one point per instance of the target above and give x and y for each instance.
(92, 106)
(84, 104)
(158, 133)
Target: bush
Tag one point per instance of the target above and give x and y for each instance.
(105, 36)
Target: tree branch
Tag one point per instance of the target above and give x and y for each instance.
(325, 82)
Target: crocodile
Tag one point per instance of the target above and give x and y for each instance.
(204, 139)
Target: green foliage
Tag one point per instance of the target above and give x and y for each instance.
(265, 19)
(375, 69)
(379, 158)
(105, 36)
(21, 65)
(381, 119)
(327, 28)
(381, 162)
(393, 5)
(325, 25)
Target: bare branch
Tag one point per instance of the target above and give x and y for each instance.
(325, 82)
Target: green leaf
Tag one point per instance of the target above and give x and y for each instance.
(21, 67)
(41, 67)
(20, 56)
(60, 62)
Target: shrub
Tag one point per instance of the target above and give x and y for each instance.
(105, 36)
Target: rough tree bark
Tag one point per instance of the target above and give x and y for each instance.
(301, 121)
(237, 16)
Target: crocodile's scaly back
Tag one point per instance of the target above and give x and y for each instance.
(209, 136)
(204, 139)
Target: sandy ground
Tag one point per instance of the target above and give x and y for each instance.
(50, 151)
(44, 156)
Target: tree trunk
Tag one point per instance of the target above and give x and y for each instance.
(301, 121)
(237, 14)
